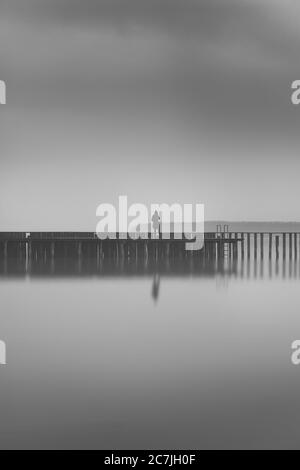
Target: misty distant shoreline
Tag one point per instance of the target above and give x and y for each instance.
(209, 226)
(252, 226)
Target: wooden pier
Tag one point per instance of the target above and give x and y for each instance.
(141, 245)
(217, 245)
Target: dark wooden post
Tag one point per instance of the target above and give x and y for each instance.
(156, 251)
(167, 249)
(79, 249)
(295, 246)
(26, 255)
(290, 246)
(262, 245)
(220, 249)
(242, 245)
(222, 245)
(98, 253)
(5, 249)
(277, 247)
(236, 252)
(270, 245)
(52, 250)
(284, 245)
(255, 246)
(230, 245)
(5, 256)
(248, 245)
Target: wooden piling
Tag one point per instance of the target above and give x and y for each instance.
(235, 246)
(220, 244)
(52, 249)
(242, 246)
(284, 245)
(248, 245)
(290, 246)
(270, 245)
(255, 245)
(79, 247)
(277, 247)
(167, 249)
(262, 246)
(98, 254)
(295, 246)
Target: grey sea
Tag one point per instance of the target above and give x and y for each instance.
(150, 356)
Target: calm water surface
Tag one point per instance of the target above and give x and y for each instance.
(152, 360)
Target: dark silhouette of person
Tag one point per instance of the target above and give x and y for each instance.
(155, 222)
(155, 286)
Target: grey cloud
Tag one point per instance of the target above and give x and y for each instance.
(150, 79)
(233, 72)
(173, 15)
(252, 26)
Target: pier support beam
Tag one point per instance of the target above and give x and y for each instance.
(52, 250)
(167, 249)
(230, 246)
(220, 244)
(283, 245)
(277, 247)
(98, 254)
(262, 246)
(242, 245)
(79, 248)
(248, 246)
(5, 256)
(235, 246)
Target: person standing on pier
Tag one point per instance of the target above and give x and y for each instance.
(156, 223)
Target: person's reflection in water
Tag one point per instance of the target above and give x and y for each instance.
(155, 286)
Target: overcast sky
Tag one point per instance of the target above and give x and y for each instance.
(161, 100)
